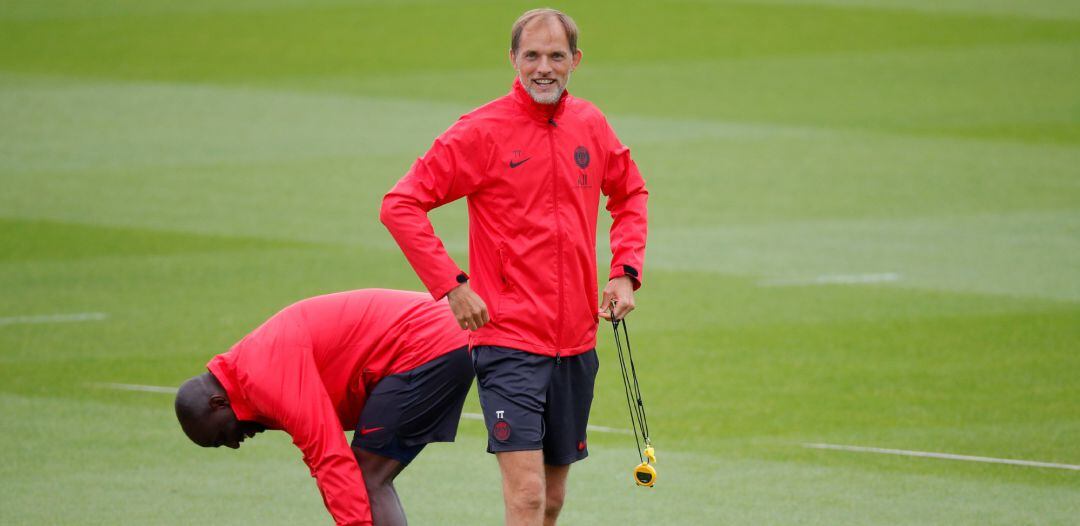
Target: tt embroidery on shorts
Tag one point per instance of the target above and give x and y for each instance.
(501, 429)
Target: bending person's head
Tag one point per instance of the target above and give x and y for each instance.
(207, 418)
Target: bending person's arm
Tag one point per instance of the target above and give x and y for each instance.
(287, 388)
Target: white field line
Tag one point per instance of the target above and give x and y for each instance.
(54, 318)
(947, 456)
(464, 416)
(605, 429)
(834, 279)
(136, 387)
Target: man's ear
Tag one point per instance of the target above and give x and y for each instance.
(513, 60)
(218, 401)
(577, 59)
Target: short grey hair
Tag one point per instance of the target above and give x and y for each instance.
(545, 12)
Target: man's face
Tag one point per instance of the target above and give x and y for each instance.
(220, 427)
(543, 60)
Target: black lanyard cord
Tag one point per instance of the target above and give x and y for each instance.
(631, 386)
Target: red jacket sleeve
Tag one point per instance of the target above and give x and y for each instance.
(451, 169)
(627, 203)
(284, 385)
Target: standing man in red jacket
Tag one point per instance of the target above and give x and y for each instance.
(532, 166)
(391, 364)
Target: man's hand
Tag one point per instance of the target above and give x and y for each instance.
(468, 308)
(621, 290)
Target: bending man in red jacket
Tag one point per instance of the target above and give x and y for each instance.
(392, 365)
(532, 166)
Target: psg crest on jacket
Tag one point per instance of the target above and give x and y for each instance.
(581, 157)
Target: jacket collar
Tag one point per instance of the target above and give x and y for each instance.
(542, 112)
(226, 375)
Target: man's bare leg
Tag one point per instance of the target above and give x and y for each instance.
(379, 473)
(555, 481)
(523, 487)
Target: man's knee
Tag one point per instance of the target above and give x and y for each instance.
(526, 492)
(378, 472)
(555, 490)
(528, 489)
(523, 483)
(377, 484)
(553, 504)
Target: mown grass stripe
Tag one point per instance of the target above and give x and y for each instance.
(835, 279)
(54, 318)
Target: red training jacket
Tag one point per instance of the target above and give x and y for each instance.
(308, 369)
(532, 175)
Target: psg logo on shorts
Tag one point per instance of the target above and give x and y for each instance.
(501, 430)
(581, 157)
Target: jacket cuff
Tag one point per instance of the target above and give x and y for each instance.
(446, 286)
(618, 271)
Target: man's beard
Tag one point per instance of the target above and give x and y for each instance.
(547, 98)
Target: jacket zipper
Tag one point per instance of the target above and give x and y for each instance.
(558, 236)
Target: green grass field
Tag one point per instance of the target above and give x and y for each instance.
(865, 230)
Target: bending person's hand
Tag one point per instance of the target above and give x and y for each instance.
(469, 309)
(621, 291)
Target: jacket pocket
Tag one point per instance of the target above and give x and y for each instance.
(504, 285)
(501, 256)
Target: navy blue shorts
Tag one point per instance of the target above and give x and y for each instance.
(406, 411)
(533, 402)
